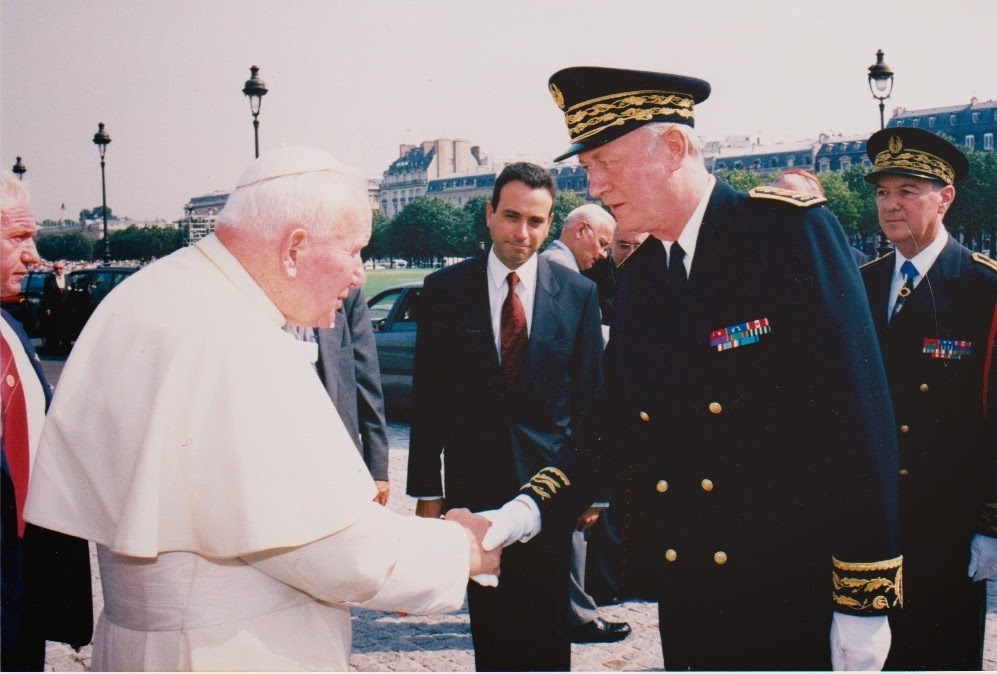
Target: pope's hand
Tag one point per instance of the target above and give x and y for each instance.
(383, 491)
(859, 643)
(484, 568)
(512, 522)
(983, 557)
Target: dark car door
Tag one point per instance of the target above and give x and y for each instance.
(394, 314)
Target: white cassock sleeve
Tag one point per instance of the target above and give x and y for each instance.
(384, 561)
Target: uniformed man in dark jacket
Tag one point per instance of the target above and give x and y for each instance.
(745, 424)
(933, 304)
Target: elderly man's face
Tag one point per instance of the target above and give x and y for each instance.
(629, 179)
(331, 266)
(592, 244)
(17, 248)
(910, 210)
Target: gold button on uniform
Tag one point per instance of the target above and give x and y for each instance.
(707, 484)
(924, 387)
(903, 472)
(644, 416)
(10, 380)
(905, 429)
(720, 557)
(671, 555)
(716, 408)
(662, 486)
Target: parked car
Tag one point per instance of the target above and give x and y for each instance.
(394, 315)
(86, 288)
(28, 306)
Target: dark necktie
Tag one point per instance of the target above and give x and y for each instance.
(676, 269)
(513, 333)
(15, 430)
(910, 273)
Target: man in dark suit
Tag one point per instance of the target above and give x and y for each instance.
(745, 423)
(347, 365)
(934, 305)
(45, 574)
(507, 358)
(54, 293)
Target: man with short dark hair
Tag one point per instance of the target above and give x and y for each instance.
(54, 292)
(507, 359)
(934, 305)
(745, 424)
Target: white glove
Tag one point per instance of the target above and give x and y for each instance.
(517, 520)
(982, 557)
(859, 643)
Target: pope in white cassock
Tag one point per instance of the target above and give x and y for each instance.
(192, 441)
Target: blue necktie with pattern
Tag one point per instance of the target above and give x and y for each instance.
(910, 273)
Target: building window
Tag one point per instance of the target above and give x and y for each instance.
(900, 122)
(951, 120)
(790, 161)
(931, 121)
(866, 161)
(824, 165)
(916, 122)
(774, 163)
(976, 117)
(988, 141)
(846, 163)
(970, 142)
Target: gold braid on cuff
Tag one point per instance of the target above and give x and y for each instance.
(546, 483)
(867, 588)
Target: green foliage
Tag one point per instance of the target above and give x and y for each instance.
(69, 246)
(563, 205)
(974, 212)
(740, 179)
(475, 218)
(428, 228)
(143, 243)
(95, 213)
(377, 248)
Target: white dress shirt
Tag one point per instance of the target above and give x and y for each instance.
(922, 262)
(498, 288)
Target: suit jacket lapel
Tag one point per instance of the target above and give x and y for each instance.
(479, 309)
(545, 316)
(879, 292)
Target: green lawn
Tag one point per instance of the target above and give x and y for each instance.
(379, 279)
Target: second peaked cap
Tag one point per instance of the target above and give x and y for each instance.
(602, 104)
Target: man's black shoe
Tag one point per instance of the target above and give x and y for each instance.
(599, 631)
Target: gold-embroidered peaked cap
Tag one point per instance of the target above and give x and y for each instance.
(915, 152)
(602, 104)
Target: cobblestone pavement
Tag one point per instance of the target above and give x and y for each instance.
(385, 642)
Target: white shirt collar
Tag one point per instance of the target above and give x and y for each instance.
(690, 233)
(232, 269)
(926, 258)
(497, 272)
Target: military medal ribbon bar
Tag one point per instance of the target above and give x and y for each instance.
(947, 349)
(739, 335)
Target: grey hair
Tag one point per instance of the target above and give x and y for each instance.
(319, 201)
(13, 193)
(590, 213)
(657, 129)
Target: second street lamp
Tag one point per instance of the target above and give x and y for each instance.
(881, 86)
(19, 169)
(101, 140)
(255, 90)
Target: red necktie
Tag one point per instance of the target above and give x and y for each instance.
(514, 338)
(15, 430)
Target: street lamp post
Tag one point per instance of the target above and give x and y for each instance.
(881, 86)
(19, 169)
(255, 90)
(101, 140)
